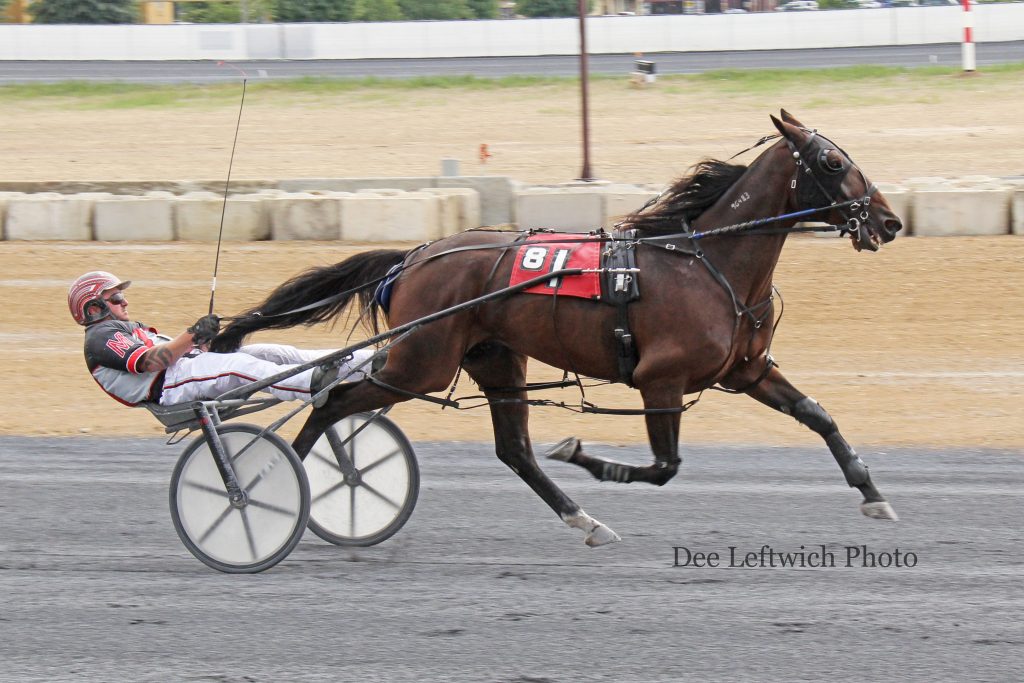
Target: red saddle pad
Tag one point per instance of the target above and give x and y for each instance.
(547, 252)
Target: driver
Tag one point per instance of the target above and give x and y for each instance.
(134, 363)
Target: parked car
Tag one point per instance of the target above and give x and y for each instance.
(798, 6)
(868, 4)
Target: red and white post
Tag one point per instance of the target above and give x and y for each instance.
(967, 50)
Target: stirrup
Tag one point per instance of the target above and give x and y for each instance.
(320, 380)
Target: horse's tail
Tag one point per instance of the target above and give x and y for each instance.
(336, 285)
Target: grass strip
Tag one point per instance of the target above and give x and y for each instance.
(121, 95)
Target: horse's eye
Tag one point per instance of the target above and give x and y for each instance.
(831, 161)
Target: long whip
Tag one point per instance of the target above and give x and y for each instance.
(227, 184)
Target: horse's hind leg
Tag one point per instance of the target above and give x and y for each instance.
(662, 431)
(495, 367)
(776, 392)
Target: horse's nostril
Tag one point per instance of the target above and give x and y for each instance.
(893, 226)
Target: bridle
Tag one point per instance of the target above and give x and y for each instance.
(827, 175)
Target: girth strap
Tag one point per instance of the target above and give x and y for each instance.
(620, 288)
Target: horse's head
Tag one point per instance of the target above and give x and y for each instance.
(827, 177)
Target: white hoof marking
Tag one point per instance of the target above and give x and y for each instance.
(597, 534)
(601, 535)
(879, 510)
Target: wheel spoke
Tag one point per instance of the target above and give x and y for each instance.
(248, 533)
(377, 493)
(333, 464)
(377, 462)
(271, 508)
(352, 512)
(262, 474)
(206, 488)
(340, 484)
(216, 523)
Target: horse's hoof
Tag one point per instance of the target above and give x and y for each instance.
(596, 533)
(879, 510)
(601, 535)
(564, 450)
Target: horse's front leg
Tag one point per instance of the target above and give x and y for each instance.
(776, 392)
(662, 432)
(497, 369)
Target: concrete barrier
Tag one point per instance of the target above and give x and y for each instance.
(497, 196)
(49, 216)
(409, 216)
(465, 203)
(927, 183)
(4, 197)
(197, 216)
(1017, 227)
(620, 200)
(450, 210)
(571, 209)
(579, 207)
(933, 206)
(304, 216)
(497, 193)
(900, 200)
(962, 211)
(136, 219)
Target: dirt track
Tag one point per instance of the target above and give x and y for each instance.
(919, 344)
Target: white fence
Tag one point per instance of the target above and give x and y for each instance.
(605, 35)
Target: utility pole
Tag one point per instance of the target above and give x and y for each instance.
(585, 173)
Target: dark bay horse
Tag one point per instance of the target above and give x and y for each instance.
(704, 319)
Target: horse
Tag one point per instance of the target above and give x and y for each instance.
(704, 320)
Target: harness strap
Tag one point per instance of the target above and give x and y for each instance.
(627, 356)
(620, 288)
(411, 394)
(769, 364)
(591, 408)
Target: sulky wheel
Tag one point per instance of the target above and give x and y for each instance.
(363, 480)
(259, 532)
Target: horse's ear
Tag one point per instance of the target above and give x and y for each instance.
(778, 124)
(787, 130)
(789, 118)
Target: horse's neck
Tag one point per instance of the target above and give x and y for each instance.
(748, 261)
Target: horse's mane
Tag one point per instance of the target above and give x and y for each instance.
(687, 198)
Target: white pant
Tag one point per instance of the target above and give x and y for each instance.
(208, 375)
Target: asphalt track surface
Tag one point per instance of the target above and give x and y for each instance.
(948, 54)
(485, 584)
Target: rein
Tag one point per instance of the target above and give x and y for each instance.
(751, 227)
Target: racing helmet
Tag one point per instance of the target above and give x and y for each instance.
(85, 296)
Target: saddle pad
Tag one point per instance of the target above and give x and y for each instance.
(544, 253)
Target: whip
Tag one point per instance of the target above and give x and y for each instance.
(227, 184)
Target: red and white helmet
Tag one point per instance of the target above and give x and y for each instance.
(85, 296)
